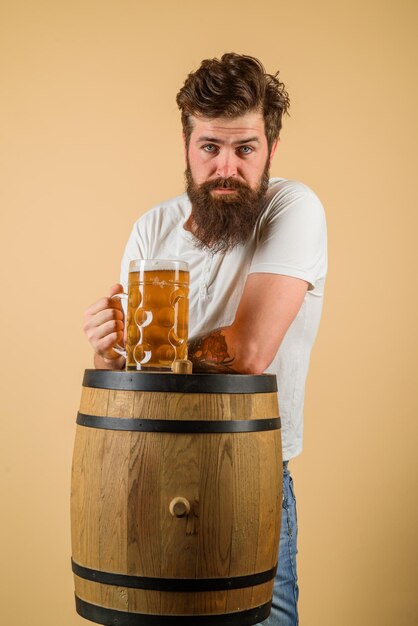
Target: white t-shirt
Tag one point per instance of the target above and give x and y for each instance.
(289, 239)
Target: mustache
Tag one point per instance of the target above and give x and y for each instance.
(223, 183)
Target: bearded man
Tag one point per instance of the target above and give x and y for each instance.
(256, 249)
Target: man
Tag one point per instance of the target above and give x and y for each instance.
(257, 254)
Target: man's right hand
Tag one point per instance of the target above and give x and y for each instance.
(103, 326)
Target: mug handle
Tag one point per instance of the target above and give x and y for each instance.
(117, 348)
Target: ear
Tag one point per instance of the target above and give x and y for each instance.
(274, 147)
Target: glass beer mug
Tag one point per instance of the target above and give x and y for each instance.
(157, 314)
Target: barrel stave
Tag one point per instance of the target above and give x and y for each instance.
(172, 603)
(124, 482)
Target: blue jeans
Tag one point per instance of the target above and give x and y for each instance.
(284, 610)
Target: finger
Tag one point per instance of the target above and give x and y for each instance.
(116, 288)
(102, 305)
(95, 332)
(92, 322)
(105, 345)
(108, 329)
(106, 316)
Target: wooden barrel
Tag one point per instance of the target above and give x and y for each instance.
(176, 498)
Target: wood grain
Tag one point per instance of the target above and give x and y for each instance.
(149, 602)
(123, 483)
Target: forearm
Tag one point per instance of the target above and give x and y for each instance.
(223, 351)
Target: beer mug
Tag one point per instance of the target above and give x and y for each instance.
(157, 314)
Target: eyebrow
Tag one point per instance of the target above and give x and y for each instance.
(234, 143)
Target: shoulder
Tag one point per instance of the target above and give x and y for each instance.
(157, 227)
(287, 199)
(283, 192)
(162, 220)
(291, 233)
(166, 214)
(158, 224)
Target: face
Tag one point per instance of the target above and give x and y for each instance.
(224, 148)
(227, 178)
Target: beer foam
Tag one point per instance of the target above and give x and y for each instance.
(148, 265)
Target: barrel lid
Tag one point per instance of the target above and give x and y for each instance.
(180, 383)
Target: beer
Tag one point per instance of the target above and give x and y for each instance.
(157, 315)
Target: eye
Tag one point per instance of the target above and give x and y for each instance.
(246, 149)
(209, 147)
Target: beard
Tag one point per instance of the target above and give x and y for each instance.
(223, 222)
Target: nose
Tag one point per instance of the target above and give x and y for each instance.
(226, 165)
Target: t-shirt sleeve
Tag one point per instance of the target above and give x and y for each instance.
(292, 238)
(135, 249)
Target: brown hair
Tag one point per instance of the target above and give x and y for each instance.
(231, 87)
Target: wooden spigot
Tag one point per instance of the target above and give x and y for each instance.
(179, 507)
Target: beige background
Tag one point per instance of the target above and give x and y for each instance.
(90, 139)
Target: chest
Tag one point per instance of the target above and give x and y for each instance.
(216, 281)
